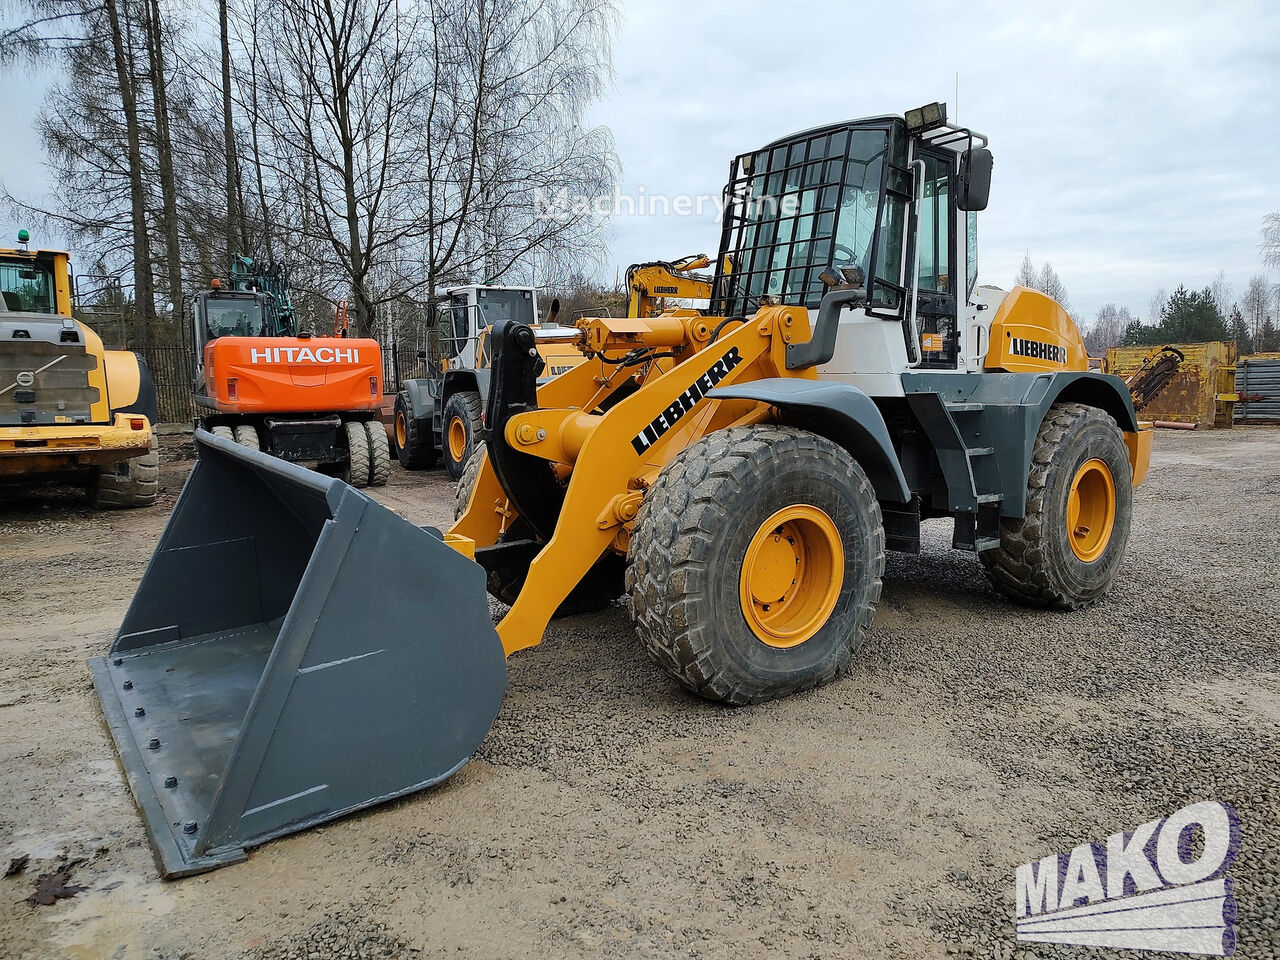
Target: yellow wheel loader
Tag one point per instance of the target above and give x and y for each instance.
(71, 411)
(296, 651)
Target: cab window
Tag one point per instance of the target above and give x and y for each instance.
(935, 221)
(27, 286)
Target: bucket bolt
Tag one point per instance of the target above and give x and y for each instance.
(140, 712)
(170, 782)
(153, 743)
(117, 662)
(128, 684)
(189, 827)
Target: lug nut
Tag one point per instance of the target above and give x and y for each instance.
(170, 782)
(153, 744)
(140, 712)
(189, 827)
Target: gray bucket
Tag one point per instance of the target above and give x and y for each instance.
(295, 651)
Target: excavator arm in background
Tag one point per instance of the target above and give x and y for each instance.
(647, 282)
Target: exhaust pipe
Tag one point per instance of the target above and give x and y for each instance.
(295, 652)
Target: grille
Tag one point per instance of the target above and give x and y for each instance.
(44, 383)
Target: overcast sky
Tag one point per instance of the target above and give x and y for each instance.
(1137, 145)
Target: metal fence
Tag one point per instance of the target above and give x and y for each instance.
(171, 369)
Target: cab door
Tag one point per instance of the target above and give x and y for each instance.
(937, 277)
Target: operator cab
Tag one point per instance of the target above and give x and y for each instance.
(466, 312)
(874, 204)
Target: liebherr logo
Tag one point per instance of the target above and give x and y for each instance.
(682, 404)
(1037, 350)
(1161, 886)
(304, 355)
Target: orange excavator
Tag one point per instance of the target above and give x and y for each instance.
(262, 383)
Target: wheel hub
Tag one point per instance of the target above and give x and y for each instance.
(457, 439)
(791, 575)
(1091, 510)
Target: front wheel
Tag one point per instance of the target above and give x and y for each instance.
(462, 427)
(1066, 551)
(133, 483)
(755, 563)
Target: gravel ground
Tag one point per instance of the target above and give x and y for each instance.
(610, 814)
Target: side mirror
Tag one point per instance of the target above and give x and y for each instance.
(975, 179)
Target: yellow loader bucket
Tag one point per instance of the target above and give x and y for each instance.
(295, 651)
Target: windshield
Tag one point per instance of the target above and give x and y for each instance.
(798, 207)
(27, 285)
(495, 305)
(233, 318)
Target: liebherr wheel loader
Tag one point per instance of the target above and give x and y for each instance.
(737, 477)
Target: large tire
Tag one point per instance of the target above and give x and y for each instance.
(1041, 557)
(460, 431)
(246, 434)
(355, 470)
(224, 432)
(414, 446)
(601, 585)
(695, 609)
(132, 483)
(379, 453)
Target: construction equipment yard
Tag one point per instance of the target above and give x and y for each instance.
(609, 812)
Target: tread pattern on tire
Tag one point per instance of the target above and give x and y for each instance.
(223, 431)
(246, 434)
(666, 576)
(471, 411)
(356, 471)
(379, 453)
(419, 451)
(137, 486)
(1018, 568)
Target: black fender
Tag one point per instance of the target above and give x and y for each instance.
(422, 397)
(838, 411)
(465, 381)
(1102, 390)
(146, 401)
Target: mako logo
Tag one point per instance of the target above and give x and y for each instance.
(1161, 886)
(682, 404)
(304, 355)
(1037, 350)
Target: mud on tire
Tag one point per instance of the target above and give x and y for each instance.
(356, 469)
(687, 553)
(379, 453)
(1035, 563)
(465, 408)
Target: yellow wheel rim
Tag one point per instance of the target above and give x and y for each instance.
(791, 576)
(457, 439)
(1091, 510)
(402, 431)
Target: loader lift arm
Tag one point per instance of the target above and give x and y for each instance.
(615, 454)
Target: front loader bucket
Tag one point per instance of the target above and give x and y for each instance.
(294, 652)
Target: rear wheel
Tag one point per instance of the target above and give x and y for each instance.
(414, 447)
(1067, 550)
(356, 470)
(462, 425)
(133, 483)
(601, 585)
(379, 453)
(247, 436)
(226, 433)
(755, 563)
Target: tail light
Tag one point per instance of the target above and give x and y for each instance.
(373, 386)
(137, 423)
(231, 388)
